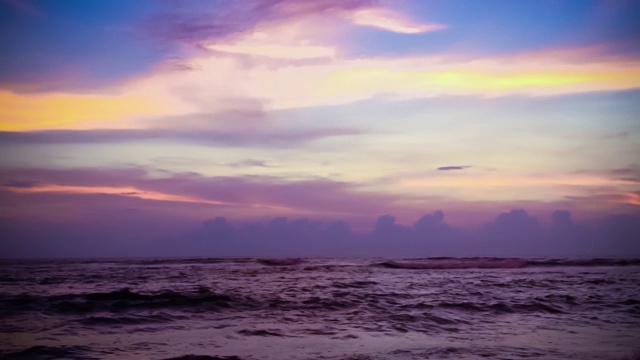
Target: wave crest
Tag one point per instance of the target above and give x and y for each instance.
(461, 263)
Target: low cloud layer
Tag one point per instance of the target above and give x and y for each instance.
(135, 212)
(513, 233)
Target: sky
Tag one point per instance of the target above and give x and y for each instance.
(319, 127)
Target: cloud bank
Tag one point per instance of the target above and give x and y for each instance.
(513, 233)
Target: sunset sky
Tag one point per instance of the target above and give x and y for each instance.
(144, 119)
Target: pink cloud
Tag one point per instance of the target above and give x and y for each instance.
(389, 20)
(247, 197)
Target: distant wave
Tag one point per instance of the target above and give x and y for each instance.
(498, 263)
(203, 357)
(407, 263)
(281, 262)
(583, 262)
(456, 263)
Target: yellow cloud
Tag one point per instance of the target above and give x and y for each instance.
(216, 80)
(535, 187)
(340, 80)
(19, 112)
(412, 79)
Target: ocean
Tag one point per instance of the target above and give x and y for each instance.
(320, 308)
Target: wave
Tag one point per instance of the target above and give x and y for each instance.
(129, 320)
(203, 357)
(354, 284)
(281, 262)
(583, 262)
(500, 263)
(502, 308)
(123, 300)
(51, 352)
(460, 263)
(406, 263)
(197, 260)
(262, 332)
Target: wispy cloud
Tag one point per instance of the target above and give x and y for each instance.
(248, 163)
(237, 58)
(389, 20)
(278, 51)
(447, 168)
(271, 138)
(21, 184)
(249, 194)
(344, 80)
(197, 23)
(111, 190)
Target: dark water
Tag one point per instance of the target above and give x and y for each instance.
(357, 309)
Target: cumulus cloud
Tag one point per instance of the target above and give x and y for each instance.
(431, 222)
(102, 196)
(282, 236)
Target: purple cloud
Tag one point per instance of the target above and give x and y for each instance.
(162, 235)
(255, 195)
(248, 163)
(20, 184)
(267, 139)
(333, 208)
(194, 22)
(447, 168)
(629, 173)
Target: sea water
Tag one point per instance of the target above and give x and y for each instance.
(320, 308)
